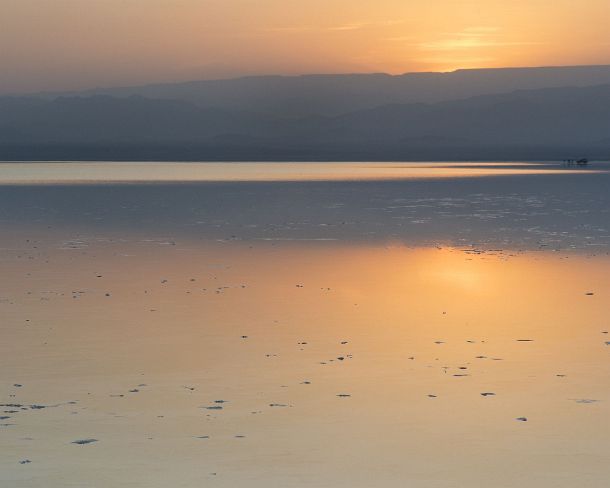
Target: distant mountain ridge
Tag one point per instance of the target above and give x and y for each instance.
(298, 96)
(542, 123)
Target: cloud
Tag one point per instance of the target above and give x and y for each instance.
(471, 38)
(465, 43)
(349, 26)
(480, 30)
(289, 29)
(399, 39)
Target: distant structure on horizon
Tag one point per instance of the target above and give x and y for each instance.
(579, 162)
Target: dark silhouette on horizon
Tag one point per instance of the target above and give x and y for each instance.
(454, 118)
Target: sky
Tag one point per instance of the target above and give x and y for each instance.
(73, 44)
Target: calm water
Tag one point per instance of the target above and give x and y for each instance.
(92, 172)
(356, 328)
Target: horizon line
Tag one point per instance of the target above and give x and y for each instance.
(301, 75)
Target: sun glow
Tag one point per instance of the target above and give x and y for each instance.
(162, 40)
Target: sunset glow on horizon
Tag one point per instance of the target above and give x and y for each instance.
(114, 42)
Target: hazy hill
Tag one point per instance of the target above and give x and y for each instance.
(545, 123)
(300, 96)
(544, 117)
(111, 119)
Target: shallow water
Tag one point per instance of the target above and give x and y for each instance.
(95, 172)
(306, 334)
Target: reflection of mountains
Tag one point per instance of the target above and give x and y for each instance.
(307, 117)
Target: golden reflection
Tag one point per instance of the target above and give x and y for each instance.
(96, 172)
(322, 354)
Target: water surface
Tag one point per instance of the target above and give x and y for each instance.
(95, 172)
(426, 332)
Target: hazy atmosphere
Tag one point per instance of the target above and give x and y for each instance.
(304, 244)
(75, 44)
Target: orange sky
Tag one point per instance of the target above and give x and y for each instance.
(62, 44)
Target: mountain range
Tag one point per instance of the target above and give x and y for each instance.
(522, 113)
